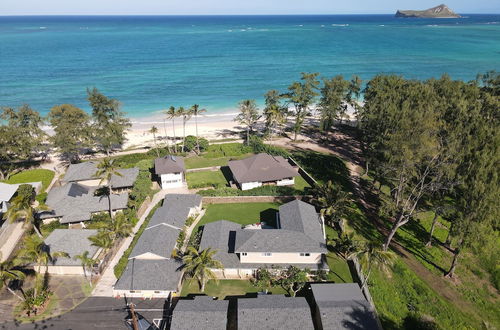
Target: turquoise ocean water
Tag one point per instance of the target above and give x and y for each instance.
(150, 63)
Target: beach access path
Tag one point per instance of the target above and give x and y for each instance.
(104, 287)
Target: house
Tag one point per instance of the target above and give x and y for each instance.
(152, 271)
(74, 242)
(298, 240)
(341, 306)
(9, 191)
(274, 312)
(202, 312)
(262, 169)
(171, 171)
(85, 174)
(73, 202)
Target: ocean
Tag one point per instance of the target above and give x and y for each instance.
(152, 62)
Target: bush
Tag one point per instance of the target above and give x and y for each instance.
(41, 198)
(190, 143)
(258, 146)
(26, 192)
(181, 238)
(227, 150)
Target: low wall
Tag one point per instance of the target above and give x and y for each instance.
(252, 199)
(309, 179)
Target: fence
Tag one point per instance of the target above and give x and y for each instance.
(309, 179)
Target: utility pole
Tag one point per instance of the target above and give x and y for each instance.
(134, 318)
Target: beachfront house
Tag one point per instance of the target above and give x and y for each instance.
(274, 312)
(9, 191)
(85, 174)
(152, 271)
(202, 312)
(298, 239)
(76, 203)
(170, 171)
(262, 169)
(74, 242)
(341, 306)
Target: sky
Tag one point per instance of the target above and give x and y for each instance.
(233, 7)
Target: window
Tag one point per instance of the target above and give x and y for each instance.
(157, 291)
(244, 254)
(267, 254)
(305, 254)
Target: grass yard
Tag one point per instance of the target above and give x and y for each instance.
(205, 179)
(203, 161)
(242, 213)
(224, 288)
(37, 175)
(300, 183)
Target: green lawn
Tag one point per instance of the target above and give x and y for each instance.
(242, 213)
(37, 175)
(205, 179)
(203, 161)
(300, 183)
(224, 288)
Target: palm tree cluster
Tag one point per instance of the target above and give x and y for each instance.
(186, 114)
(198, 265)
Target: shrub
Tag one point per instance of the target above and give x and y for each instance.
(227, 150)
(190, 143)
(260, 191)
(41, 198)
(258, 146)
(26, 192)
(181, 238)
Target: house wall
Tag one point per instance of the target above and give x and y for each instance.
(250, 185)
(172, 180)
(61, 270)
(149, 256)
(147, 294)
(280, 258)
(286, 182)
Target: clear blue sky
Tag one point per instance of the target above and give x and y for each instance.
(210, 7)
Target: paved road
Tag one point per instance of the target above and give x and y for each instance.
(95, 313)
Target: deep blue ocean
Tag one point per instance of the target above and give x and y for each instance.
(152, 62)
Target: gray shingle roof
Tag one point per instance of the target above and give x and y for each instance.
(72, 241)
(275, 240)
(74, 202)
(169, 164)
(260, 168)
(7, 191)
(274, 312)
(143, 274)
(81, 172)
(159, 240)
(301, 217)
(201, 313)
(175, 209)
(343, 306)
(221, 235)
(127, 178)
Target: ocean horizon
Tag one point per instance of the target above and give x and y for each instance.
(151, 62)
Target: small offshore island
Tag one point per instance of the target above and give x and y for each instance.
(441, 11)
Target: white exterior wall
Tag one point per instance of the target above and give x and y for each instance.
(147, 294)
(286, 182)
(61, 270)
(90, 183)
(171, 180)
(250, 185)
(280, 258)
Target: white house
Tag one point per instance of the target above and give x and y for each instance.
(262, 169)
(171, 171)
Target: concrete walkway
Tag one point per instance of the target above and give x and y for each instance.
(104, 288)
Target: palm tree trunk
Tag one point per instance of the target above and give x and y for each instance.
(248, 135)
(166, 136)
(175, 139)
(203, 286)
(156, 147)
(434, 221)
(196, 126)
(12, 291)
(183, 134)
(109, 203)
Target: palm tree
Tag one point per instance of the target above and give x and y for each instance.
(8, 272)
(373, 255)
(119, 227)
(186, 115)
(171, 113)
(197, 111)
(332, 201)
(87, 263)
(105, 170)
(248, 116)
(153, 131)
(274, 118)
(35, 250)
(23, 208)
(198, 265)
(102, 239)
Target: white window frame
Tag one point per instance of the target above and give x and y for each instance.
(267, 254)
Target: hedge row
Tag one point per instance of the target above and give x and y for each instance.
(260, 191)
